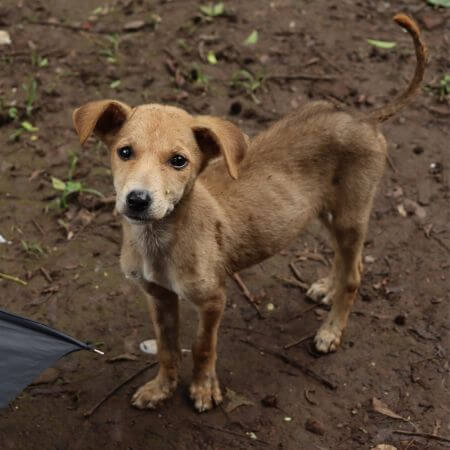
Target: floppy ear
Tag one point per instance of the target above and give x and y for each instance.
(103, 117)
(216, 136)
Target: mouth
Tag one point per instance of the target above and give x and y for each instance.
(136, 219)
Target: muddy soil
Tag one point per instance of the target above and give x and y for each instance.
(396, 346)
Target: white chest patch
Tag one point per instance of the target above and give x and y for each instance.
(147, 271)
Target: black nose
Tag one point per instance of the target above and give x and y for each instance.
(138, 200)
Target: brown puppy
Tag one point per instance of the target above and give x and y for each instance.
(187, 223)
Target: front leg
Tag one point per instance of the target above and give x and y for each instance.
(205, 389)
(163, 306)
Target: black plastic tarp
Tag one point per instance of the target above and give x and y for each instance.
(26, 349)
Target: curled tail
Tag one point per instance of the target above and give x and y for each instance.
(387, 111)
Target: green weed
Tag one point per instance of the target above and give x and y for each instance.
(212, 10)
(249, 83)
(32, 249)
(111, 48)
(70, 187)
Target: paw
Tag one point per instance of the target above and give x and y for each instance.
(206, 393)
(151, 394)
(321, 291)
(328, 338)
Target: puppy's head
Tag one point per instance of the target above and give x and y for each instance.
(157, 152)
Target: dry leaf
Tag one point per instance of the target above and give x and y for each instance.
(384, 447)
(236, 400)
(382, 408)
(122, 357)
(47, 376)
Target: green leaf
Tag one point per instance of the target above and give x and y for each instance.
(381, 44)
(14, 136)
(28, 126)
(443, 3)
(252, 38)
(58, 184)
(115, 84)
(73, 186)
(12, 112)
(207, 10)
(73, 159)
(212, 57)
(218, 9)
(211, 10)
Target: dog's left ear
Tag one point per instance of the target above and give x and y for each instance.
(216, 136)
(103, 117)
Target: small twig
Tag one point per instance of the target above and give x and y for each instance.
(440, 241)
(301, 313)
(301, 76)
(296, 272)
(391, 163)
(70, 27)
(326, 59)
(434, 437)
(437, 111)
(113, 391)
(107, 200)
(429, 233)
(314, 257)
(309, 400)
(5, 276)
(292, 282)
(234, 433)
(306, 370)
(45, 274)
(299, 341)
(247, 294)
(38, 227)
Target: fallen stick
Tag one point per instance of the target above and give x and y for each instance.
(70, 27)
(391, 163)
(306, 370)
(297, 275)
(224, 430)
(292, 282)
(45, 274)
(434, 437)
(314, 257)
(299, 341)
(300, 314)
(327, 60)
(113, 391)
(5, 276)
(247, 294)
(301, 76)
(38, 227)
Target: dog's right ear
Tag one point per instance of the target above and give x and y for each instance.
(103, 117)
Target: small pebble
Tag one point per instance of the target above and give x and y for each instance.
(435, 168)
(5, 39)
(400, 319)
(270, 401)
(315, 426)
(148, 346)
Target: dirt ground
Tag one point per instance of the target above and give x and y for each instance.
(397, 343)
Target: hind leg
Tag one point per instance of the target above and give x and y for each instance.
(322, 290)
(349, 234)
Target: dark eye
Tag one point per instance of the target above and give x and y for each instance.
(178, 162)
(125, 153)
